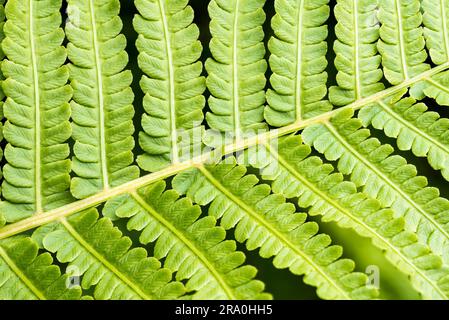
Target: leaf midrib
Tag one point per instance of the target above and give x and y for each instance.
(171, 85)
(37, 115)
(299, 61)
(101, 112)
(401, 41)
(72, 208)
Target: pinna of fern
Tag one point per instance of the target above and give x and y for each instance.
(37, 112)
(101, 108)
(168, 52)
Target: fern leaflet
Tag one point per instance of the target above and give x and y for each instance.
(357, 59)
(298, 60)
(236, 77)
(169, 50)
(102, 108)
(36, 176)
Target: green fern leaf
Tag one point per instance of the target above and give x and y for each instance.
(384, 176)
(416, 129)
(264, 220)
(27, 275)
(295, 174)
(102, 108)
(115, 270)
(357, 58)
(36, 176)
(298, 61)
(402, 42)
(194, 248)
(236, 74)
(436, 29)
(169, 50)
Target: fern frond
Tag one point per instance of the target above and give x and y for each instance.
(357, 59)
(236, 73)
(27, 275)
(402, 44)
(195, 248)
(266, 221)
(298, 61)
(244, 177)
(436, 29)
(36, 176)
(102, 108)
(115, 270)
(416, 129)
(295, 174)
(384, 176)
(169, 52)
